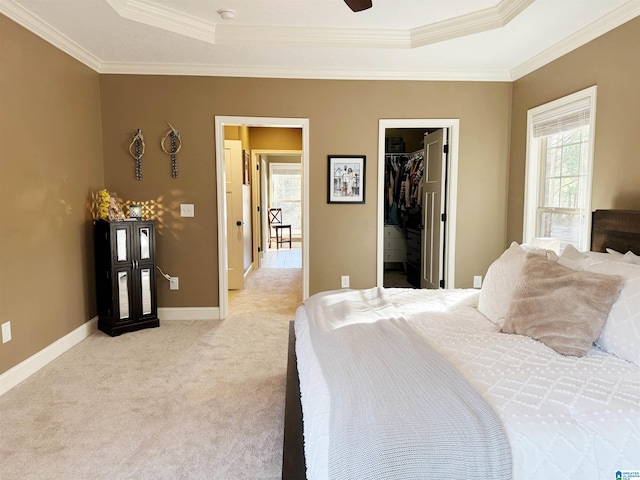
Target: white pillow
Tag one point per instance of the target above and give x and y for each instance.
(500, 282)
(574, 259)
(613, 252)
(621, 332)
(577, 260)
(631, 257)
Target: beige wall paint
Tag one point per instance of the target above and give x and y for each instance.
(50, 165)
(612, 63)
(343, 120)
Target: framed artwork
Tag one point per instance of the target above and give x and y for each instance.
(246, 179)
(346, 175)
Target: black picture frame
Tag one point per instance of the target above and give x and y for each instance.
(346, 178)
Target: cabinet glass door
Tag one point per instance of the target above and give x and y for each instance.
(121, 244)
(145, 284)
(145, 250)
(123, 294)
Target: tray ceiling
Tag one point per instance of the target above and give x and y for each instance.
(396, 39)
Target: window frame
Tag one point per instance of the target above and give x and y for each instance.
(534, 160)
(274, 166)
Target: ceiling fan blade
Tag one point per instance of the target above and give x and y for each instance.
(358, 5)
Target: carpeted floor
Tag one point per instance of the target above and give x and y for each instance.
(188, 400)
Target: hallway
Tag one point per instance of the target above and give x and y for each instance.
(283, 257)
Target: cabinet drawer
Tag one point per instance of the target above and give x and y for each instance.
(393, 231)
(395, 256)
(395, 244)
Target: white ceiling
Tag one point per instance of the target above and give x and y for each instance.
(396, 39)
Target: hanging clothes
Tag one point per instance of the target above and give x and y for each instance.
(403, 185)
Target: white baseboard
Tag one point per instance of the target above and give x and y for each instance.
(189, 313)
(35, 362)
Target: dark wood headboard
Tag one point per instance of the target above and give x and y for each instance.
(616, 229)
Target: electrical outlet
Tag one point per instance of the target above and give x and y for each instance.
(187, 210)
(344, 281)
(173, 283)
(477, 281)
(6, 332)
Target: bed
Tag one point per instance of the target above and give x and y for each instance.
(541, 397)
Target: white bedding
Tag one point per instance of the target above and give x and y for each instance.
(565, 417)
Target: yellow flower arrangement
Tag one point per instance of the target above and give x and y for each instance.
(104, 200)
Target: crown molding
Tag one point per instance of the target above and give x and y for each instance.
(299, 73)
(143, 11)
(617, 17)
(476, 22)
(35, 25)
(166, 18)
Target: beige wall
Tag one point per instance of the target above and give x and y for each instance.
(343, 120)
(62, 119)
(51, 163)
(612, 63)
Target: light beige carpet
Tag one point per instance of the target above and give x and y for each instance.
(188, 400)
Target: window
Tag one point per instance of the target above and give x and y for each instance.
(559, 168)
(285, 187)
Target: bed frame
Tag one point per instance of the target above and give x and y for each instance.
(616, 229)
(293, 463)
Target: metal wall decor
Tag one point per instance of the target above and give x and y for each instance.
(175, 145)
(136, 149)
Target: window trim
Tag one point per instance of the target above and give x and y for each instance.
(533, 167)
(274, 166)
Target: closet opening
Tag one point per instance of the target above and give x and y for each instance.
(415, 208)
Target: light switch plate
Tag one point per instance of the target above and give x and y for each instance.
(187, 210)
(6, 332)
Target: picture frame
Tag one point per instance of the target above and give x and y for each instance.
(346, 178)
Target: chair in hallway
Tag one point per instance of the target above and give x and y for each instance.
(278, 228)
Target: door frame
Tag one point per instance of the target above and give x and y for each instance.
(257, 159)
(271, 122)
(453, 126)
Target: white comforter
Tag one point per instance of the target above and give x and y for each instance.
(565, 417)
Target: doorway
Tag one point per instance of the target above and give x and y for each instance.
(223, 261)
(435, 224)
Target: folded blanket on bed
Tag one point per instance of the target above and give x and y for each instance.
(398, 409)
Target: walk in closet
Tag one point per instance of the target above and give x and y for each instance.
(404, 219)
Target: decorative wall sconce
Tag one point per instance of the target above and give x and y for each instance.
(175, 146)
(136, 149)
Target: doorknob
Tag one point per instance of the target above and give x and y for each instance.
(238, 223)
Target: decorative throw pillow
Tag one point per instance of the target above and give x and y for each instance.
(574, 259)
(621, 332)
(500, 281)
(562, 308)
(631, 257)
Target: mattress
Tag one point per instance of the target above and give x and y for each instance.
(565, 417)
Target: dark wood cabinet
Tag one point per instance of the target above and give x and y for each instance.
(125, 276)
(414, 256)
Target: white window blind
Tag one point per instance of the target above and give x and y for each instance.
(567, 117)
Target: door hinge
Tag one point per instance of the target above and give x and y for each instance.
(258, 208)
(441, 283)
(445, 148)
(257, 166)
(444, 217)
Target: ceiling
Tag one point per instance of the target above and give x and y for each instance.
(480, 40)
